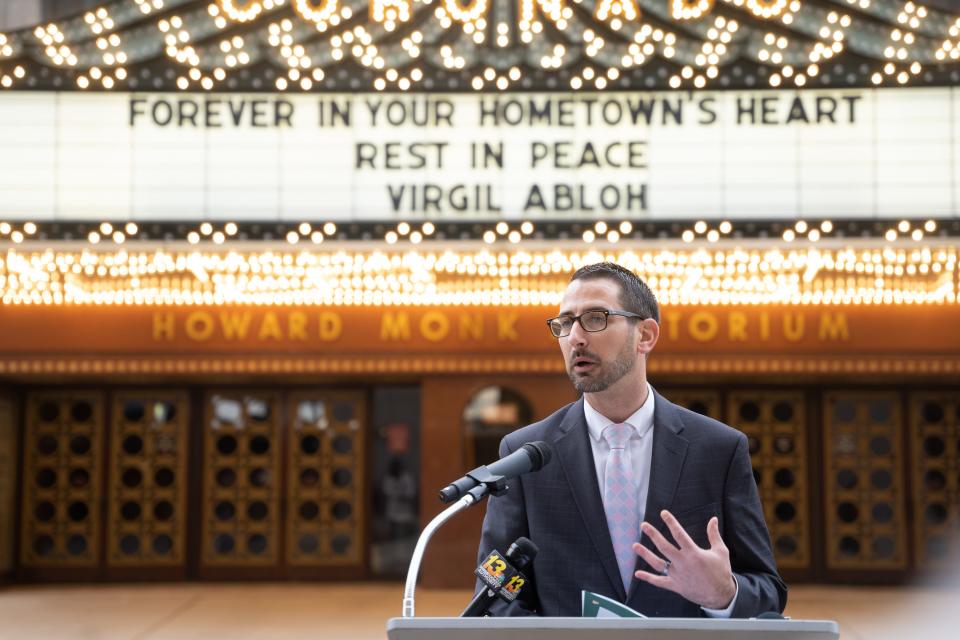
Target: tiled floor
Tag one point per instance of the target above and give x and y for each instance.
(348, 611)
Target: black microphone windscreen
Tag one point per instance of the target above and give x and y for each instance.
(524, 546)
(540, 453)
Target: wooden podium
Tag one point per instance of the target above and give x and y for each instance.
(609, 629)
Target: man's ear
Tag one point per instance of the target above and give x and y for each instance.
(649, 334)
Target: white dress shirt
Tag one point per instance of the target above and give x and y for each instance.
(639, 454)
(639, 450)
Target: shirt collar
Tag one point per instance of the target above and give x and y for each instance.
(641, 420)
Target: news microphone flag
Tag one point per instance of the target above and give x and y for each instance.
(499, 575)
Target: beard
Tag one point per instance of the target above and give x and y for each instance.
(605, 374)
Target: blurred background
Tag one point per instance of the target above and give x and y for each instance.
(275, 271)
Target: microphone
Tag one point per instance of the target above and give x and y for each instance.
(530, 457)
(501, 576)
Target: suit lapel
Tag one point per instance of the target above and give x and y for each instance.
(669, 452)
(573, 451)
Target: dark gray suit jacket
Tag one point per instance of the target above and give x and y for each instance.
(700, 469)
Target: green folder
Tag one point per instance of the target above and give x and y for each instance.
(597, 606)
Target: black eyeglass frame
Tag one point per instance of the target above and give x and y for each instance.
(606, 320)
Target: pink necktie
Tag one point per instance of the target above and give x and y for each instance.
(620, 501)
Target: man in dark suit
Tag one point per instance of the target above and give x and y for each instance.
(624, 455)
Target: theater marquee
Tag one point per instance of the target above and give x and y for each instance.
(521, 156)
(468, 331)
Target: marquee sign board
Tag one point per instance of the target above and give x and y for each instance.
(363, 157)
(339, 332)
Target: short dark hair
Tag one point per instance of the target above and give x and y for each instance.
(635, 295)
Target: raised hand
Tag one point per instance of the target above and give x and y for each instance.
(702, 576)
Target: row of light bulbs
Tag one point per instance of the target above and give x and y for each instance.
(118, 234)
(149, 6)
(501, 81)
(951, 46)
(916, 233)
(392, 12)
(503, 230)
(16, 235)
(601, 230)
(411, 277)
(306, 231)
(7, 80)
(405, 230)
(812, 233)
(690, 9)
(702, 229)
(473, 23)
(898, 51)
(177, 40)
(611, 231)
(112, 56)
(711, 51)
(340, 263)
(303, 75)
(904, 227)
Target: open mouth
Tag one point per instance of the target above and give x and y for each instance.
(583, 365)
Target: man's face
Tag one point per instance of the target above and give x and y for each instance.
(596, 360)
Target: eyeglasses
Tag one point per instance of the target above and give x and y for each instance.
(592, 321)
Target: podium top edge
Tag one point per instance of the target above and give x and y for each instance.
(533, 622)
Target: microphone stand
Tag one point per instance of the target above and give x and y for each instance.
(489, 483)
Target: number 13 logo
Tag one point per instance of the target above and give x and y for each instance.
(515, 584)
(495, 566)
